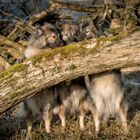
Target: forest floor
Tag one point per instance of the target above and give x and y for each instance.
(13, 129)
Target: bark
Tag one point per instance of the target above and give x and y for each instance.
(18, 48)
(58, 5)
(78, 59)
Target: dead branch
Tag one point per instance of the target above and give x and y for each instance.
(20, 22)
(64, 5)
(37, 17)
(5, 41)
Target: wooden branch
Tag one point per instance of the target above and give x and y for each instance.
(13, 34)
(16, 54)
(20, 22)
(20, 27)
(5, 41)
(65, 5)
(3, 64)
(90, 56)
(37, 17)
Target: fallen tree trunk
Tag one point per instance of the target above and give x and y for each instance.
(90, 56)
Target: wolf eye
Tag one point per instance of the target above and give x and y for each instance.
(53, 36)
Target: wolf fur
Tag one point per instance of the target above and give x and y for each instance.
(107, 92)
(39, 106)
(74, 99)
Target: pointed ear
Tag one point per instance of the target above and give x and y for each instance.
(81, 27)
(59, 26)
(42, 28)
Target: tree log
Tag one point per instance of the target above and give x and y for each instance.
(78, 59)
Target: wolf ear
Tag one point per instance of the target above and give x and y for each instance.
(43, 28)
(59, 26)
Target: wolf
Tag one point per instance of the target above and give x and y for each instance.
(107, 92)
(47, 37)
(40, 106)
(74, 98)
(69, 32)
